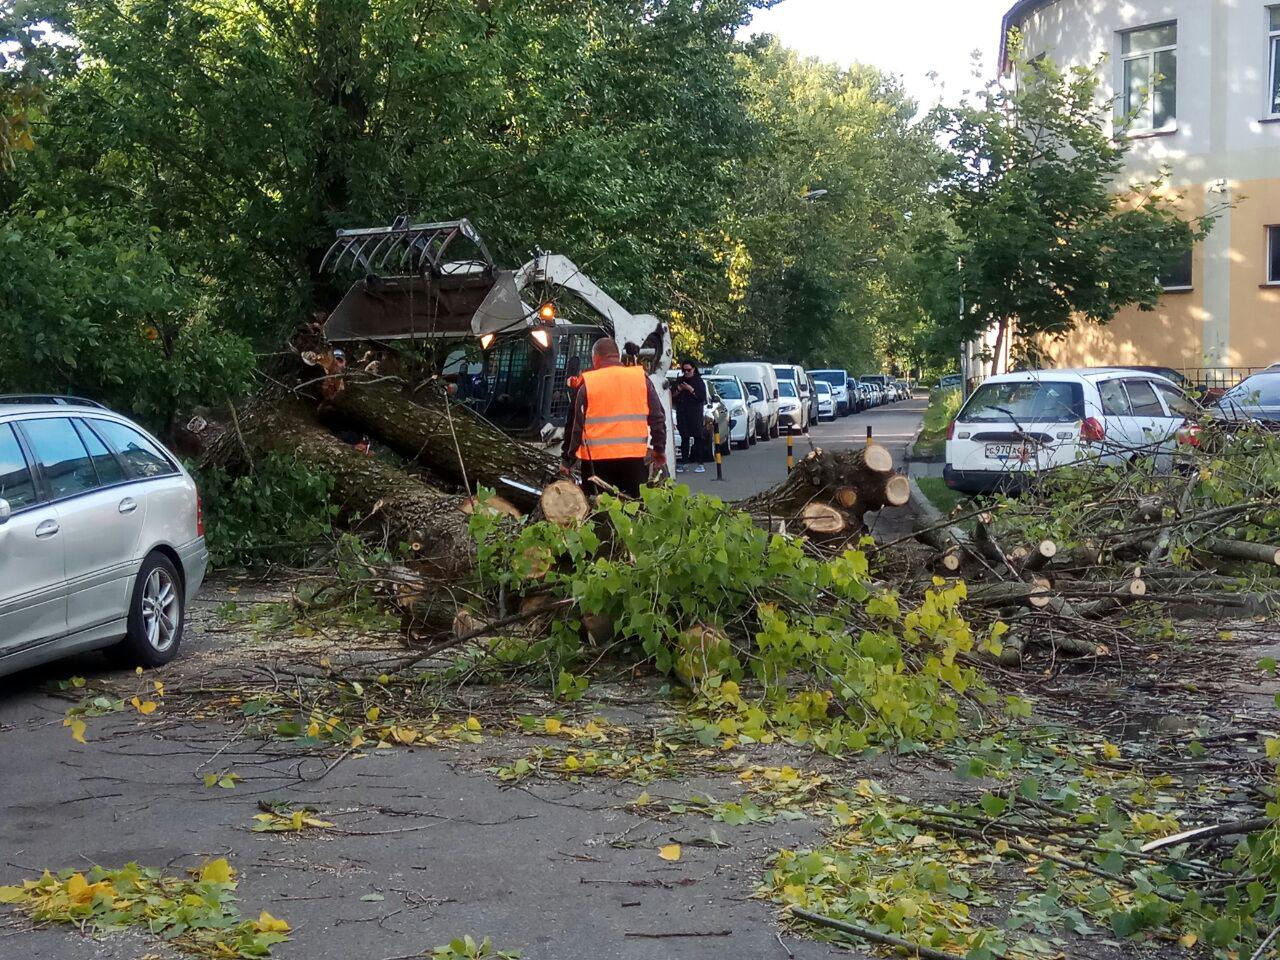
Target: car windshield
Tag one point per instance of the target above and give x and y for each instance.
(786, 388)
(785, 373)
(822, 387)
(1260, 390)
(728, 389)
(836, 378)
(755, 391)
(1025, 401)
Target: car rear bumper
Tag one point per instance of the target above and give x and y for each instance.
(984, 481)
(195, 564)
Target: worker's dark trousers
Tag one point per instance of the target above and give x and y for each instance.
(628, 475)
(691, 439)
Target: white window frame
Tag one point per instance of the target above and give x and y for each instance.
(1273, 60)
(1147, 110)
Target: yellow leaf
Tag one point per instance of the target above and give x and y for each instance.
(641, 800)
(159, 688)
(1002, 847)
(296, 820)
(1188, 940)
(138, 671)
(357, 741)
(313, 729)
(671, 852)
(216, 871)
(551, 725)
(473, 724)
(12, 894)
(144, 707)
(1110, 751)
(269, 924)
(372, 714)
(76, 886)
(384, 678)
(77, 729)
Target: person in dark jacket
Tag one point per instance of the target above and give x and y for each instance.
(689, 398)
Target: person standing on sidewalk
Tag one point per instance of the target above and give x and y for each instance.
(689, 398)
(616, 415)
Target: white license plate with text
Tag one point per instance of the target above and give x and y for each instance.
(1010, 451)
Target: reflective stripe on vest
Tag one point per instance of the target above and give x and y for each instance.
(615, 424)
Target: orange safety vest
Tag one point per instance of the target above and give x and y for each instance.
(615, 425)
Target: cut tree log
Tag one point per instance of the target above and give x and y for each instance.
(1040, 555)
(496, 503)
(564, 503)
(1243, 550)
(864, 475)
(446, 438)
(372, 494)
(1003, 594)
(823, 519)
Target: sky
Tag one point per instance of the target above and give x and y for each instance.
(909, 38)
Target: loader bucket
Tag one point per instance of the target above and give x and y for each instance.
(414, 284)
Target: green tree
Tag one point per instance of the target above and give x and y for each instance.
(810, 278)
(1040, 229)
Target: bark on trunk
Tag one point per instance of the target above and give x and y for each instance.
(468, 453)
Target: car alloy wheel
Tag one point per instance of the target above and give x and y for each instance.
(161, 610)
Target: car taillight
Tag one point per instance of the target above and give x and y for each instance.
(1189, 435)
(951, 430)
(1092, 431)
(199, 514)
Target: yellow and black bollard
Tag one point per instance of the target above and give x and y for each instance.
(719, 456)
(791, 454)
(869, 435)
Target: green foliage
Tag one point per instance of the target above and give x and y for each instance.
(93, 305)
(708, 596)
(465, 948)
(943, 407)
(1036, 230)
(196, 915)
(279, 512)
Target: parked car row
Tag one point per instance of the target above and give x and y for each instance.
(1016, 425)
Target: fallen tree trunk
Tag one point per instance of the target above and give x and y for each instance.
(446, 438)
(1243, 550)
(372, 494)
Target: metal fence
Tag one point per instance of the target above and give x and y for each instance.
(1216, 378)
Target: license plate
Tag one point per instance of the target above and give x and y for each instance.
(1010, 451)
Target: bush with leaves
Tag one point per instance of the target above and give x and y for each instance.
(279, 512)
(701, 591)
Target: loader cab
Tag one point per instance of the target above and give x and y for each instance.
(523, 387)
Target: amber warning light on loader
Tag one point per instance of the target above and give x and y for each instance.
(547, 312)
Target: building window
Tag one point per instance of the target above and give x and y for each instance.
(1149, 86)
(1273, 254)
(1273, 39)
(1177, 274)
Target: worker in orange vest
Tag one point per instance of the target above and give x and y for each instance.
(616, 416)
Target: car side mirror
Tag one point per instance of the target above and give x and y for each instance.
(775, 394)
(5, 511)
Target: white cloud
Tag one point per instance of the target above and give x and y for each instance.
(909, 38)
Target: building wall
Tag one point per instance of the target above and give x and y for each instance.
(1224, 148)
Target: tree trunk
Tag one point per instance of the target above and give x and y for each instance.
(372, 494)
(467, 452)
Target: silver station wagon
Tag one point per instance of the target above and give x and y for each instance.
(101, 536)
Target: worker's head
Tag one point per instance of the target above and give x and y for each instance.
(605, 353)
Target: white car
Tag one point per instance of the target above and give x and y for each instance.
(793, 410)
(742, 416)
(1018, 424)
(841, 387)
(101, 537)
(826, 400)
(762, 383)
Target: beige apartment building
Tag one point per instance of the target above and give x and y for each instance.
(1203, 79)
